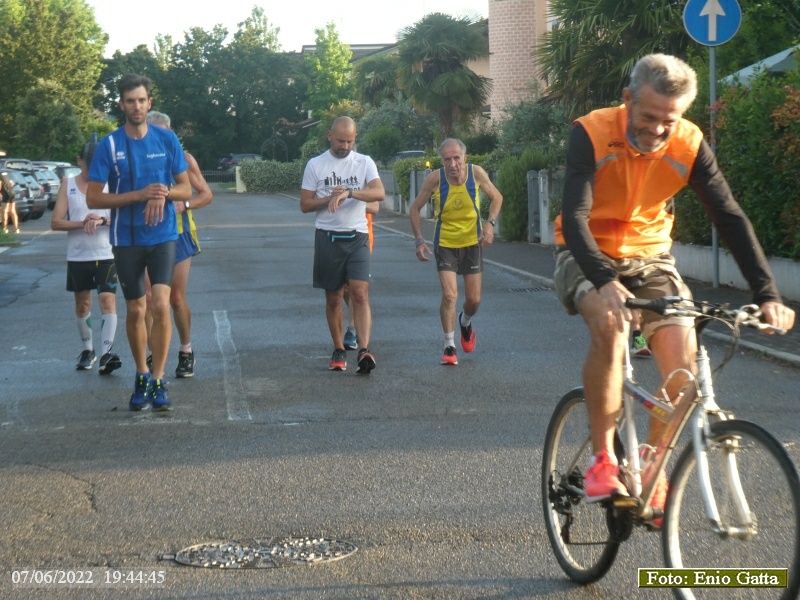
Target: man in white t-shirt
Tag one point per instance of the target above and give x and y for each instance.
(337, 185)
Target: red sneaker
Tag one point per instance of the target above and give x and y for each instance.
(602, 479)
(450, 357)
(467, 335)
(338, 360)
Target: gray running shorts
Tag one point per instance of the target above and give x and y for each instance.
(340, 256)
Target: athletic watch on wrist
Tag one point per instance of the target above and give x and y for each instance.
(492, 222)
(186, 204)
(350, 192)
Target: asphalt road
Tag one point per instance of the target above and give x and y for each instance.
(431, 471)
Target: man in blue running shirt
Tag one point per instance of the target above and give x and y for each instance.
(144, 167)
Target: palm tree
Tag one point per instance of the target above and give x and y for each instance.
(375, 79)
(587, 59)
(433, 56)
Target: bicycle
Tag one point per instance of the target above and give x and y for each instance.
(723, 518)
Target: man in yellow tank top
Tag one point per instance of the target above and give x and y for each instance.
(459, 237)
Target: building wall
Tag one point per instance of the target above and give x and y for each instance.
(515, 29)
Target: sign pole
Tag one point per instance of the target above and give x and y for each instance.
(712, 87)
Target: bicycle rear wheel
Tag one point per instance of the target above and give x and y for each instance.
(578, 531)
(771, 487)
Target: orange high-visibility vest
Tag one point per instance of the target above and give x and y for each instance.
(629, 216)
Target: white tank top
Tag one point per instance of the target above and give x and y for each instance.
(80, 246)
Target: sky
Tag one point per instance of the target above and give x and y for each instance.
(357, 21)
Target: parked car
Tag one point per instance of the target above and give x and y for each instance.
(51, 182)
(405, 154)
(22, 195)
(36, 194)
(22, 164)
(62, 169)
(231, 161)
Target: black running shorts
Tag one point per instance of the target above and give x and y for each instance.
(159, 260)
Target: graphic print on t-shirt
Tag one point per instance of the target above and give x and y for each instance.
(333, 180)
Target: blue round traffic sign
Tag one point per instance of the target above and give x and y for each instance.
(712, 22)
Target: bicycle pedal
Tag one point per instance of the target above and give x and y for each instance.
(624, 502)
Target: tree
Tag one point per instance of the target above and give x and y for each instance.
(588, 58)
(328, 70)
(433, 56)
(375, 79)
(417, 130)
(140, 61)
(53, 40)
(47, 124)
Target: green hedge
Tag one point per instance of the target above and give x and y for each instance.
(269, 176)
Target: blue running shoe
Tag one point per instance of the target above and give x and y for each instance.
(139, 398)
(157, 393)
(350, 339)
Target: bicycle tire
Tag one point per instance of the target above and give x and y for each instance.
(771, 486)
(588, 553)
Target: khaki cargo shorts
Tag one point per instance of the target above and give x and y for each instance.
(657, 277)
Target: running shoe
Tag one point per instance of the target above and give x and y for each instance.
(602, 479)
(5, 229)
(350, 339)
(366, 362)
(185, 364)
(450, 357)
(639, 346)
(338, 360)
(467, 335)
(157, 393)
(659, 500)
(109, 362)
(86, 360)
(139, 398)
(16, 231)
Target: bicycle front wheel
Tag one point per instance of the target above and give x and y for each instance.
(578, 531)
(742, 453)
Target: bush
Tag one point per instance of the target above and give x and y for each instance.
(512, 181)
(382, 143)
(269, 176)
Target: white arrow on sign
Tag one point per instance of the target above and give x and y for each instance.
(712, 10)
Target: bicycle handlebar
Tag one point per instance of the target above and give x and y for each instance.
(749, 315)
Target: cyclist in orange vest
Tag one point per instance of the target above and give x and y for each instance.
(624, 165)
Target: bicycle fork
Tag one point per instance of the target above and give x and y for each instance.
(702, 442)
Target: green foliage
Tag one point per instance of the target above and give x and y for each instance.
(269, 176)
(533, 123)
(52, 40)
(47, 124)
(481, 142)
(415, 128)
(512, 181)
(433, 55)
(382, 143)
(588, 58)
(757, 133)
(375, 79)
(328, 70)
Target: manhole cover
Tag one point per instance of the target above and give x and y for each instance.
(264, 554)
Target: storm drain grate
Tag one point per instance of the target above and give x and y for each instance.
(263, 554)
(530, 289)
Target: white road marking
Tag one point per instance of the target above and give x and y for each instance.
(235, 397)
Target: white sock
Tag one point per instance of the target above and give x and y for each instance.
(108, 329)
(465, 319)
(85, 331)
(449, 339)
(186, 348)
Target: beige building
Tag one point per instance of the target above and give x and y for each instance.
(516, 27)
